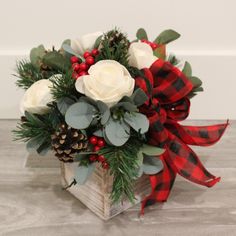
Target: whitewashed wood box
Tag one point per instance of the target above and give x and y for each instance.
(95, 193)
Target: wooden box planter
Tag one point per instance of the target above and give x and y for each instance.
(96, 191)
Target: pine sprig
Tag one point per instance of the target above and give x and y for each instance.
(28, 74)
(64, 86)
(123, 166)
(114, 46)
(39, 128)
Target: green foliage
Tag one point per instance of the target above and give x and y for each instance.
(123, 162)
(82, 173)
(116, 132)
(56, 61)
(166, 37)
(80, 115)
(36, 55)
(141, 34)
(114, 46)
(64, 86)
(187, 70)
(152, 165)
(36, 129)
(28, 74)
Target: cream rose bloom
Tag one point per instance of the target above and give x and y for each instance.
(85, 42)
(108, 81)
(36, 97)
(141, 55)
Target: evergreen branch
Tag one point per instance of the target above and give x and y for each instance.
(29, 74)
(114, 46)
(123, 166)
(64, 86)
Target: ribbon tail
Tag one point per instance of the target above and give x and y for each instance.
(187, 164)
(161, 185)
(197, 135)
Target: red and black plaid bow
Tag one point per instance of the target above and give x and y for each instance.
(167, 88)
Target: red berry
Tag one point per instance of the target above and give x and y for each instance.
(101, 142)
(75, 75)
(144, 40)
(96, 148)
(154, 46)
(87, 54)
(95, 52)
(74, 59)
(101, 158)
(83, 66)
(93, 140)
(76, 66)
(93, 157)
(82, 73)
(89, 60)
(105, 165)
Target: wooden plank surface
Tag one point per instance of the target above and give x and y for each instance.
(33, 203)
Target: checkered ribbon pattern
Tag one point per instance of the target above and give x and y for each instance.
(168, 89)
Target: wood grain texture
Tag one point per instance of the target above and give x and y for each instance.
(32, 201)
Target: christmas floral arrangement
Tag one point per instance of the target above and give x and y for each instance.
(103, 99)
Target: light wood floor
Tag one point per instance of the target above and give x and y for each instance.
(33, 203)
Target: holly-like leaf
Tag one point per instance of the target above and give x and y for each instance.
(152, 165)
(141, 34)
(187, 70)
(82, 173)
(137, 121)
(80, 115)
(166, 36)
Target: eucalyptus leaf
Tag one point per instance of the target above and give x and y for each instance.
(128, 106)
(137, 121)
(151, 150)
(63, 104)
(67, 48)
(187, 70)
(105, 112)
(141, 34)
(36, 55)
(98, 133)
(82, 173)
(167, 36)
(80, 115)
(117, 132)
(139, 97)
(56, 60)
(195, 81)
(198, 89)
(152, 165)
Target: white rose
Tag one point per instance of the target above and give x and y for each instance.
(85, 42)
(108, 81)
(36, 97)
(141, 55)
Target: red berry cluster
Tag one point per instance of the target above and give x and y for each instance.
(80, 69)
(153, 45)
(98, 143)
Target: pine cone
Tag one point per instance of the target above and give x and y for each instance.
(115, 37)
(67, 142)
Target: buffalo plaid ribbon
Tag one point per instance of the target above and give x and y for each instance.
(167, 105)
